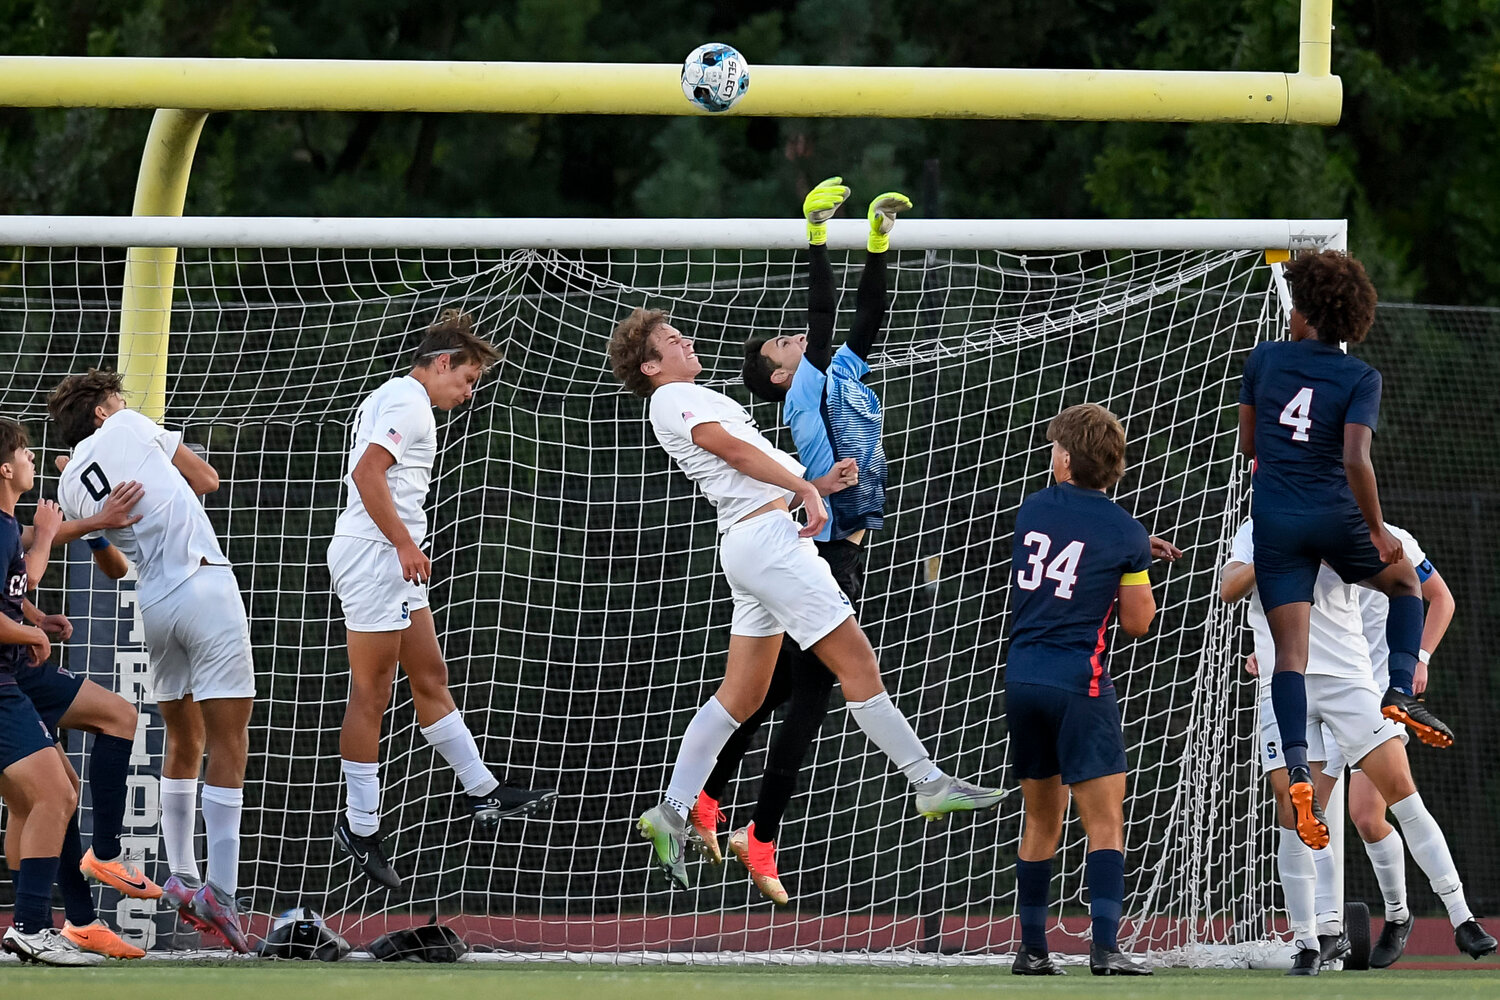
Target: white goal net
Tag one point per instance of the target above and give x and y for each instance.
(576, 588)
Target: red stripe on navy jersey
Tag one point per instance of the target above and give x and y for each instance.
(1099, 649)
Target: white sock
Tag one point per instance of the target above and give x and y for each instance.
(698, 753)
(1325, 903)
(1425, 841)
(1294, 862)
(888, 729)
(221, 821)
(451, 738)
(362, 786)
(1388, 858)
(179, 820)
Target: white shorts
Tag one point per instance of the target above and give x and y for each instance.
(367, 579)
(779, 582)
(1348, 712)
(199, 640)
(1271, 756)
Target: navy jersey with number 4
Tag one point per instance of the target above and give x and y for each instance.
(1304, 392)
(1073, 549)
(13, 565)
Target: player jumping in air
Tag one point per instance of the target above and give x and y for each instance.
(381, 574)
(1307, 413)
(780, 586)
(197, 636)
(1079, 560)
(832, 414)
(1344, 701)
(40, 797)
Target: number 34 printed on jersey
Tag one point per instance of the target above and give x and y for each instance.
(1063, 568)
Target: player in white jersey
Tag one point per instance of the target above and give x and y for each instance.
(380, 575)
(1343, 701)
(1367, 808)
(779, 583)
(202, 673)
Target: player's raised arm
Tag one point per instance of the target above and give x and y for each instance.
(818, 207)
(756, 464)
(201, 476)
(871, 300)
(1238, 582)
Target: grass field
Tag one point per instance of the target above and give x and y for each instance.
(472, 981)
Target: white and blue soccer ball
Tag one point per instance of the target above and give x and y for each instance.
(298, 914)
(715, 76)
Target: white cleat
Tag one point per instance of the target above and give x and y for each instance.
(47, 947)
(941, 796)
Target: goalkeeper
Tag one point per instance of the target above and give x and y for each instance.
(832, 415)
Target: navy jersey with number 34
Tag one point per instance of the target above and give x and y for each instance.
(1072, 548)
(1304, 392)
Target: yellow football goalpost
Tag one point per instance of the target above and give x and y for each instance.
(1310, 96)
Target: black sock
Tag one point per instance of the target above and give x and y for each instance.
(776, 789)
(109, 765)
(34, 894)
(78, 898)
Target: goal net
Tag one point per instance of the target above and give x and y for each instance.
(576, 588)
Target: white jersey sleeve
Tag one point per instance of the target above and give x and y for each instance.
(1242, 548)
(676, 408)
(398, 418)
(174, 537)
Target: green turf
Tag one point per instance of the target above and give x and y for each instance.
(365, 981)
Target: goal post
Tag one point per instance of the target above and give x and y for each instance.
(575, 581)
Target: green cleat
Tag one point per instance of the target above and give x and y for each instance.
(936, 799)
(668, 835)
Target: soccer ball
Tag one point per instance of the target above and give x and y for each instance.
(715, 76)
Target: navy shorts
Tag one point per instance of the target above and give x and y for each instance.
(22, 732)
(51, 690)
(1057, 732)
(1289, 547)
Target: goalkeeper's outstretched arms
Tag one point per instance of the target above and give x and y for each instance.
(818, 207)
(871, 301)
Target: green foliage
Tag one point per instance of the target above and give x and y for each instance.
(1409, 165)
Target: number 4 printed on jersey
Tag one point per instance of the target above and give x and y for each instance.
(1063, 568)
(1298, 413)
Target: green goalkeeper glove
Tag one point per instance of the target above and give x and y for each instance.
(819, 205)
(882, 216)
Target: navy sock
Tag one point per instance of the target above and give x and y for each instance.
(1105, 873)
(34, 894)
(1033, 885)
(1289, 701)
(1403, 633)
(78, 898)
(109, 765)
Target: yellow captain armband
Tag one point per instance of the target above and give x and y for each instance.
(1136, 579)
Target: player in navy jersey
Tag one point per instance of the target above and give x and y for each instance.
(833, 415)
(1307, 414)
(1079, 562)
(34, 780)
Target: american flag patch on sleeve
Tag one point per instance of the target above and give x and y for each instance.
(394, 435)
(687, 414)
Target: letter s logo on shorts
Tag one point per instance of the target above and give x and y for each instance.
(1271, 749)
(405, 614)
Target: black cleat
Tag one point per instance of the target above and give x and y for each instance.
(1307, 962)
(369, 857)
(1031, 963)
(1312, 828)
(1412, 711)
(1116, 963)
(1392, 943)
(506, 801)
(1472, 939)
(1333, 948)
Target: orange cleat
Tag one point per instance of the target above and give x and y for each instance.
(759, 859)
(120, 875)
(703, 827)
(1310, 824)
(99, 938)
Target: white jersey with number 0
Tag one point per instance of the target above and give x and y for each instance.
(396, 417)
(678, 407)
(174, 538)
(1336, 642)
